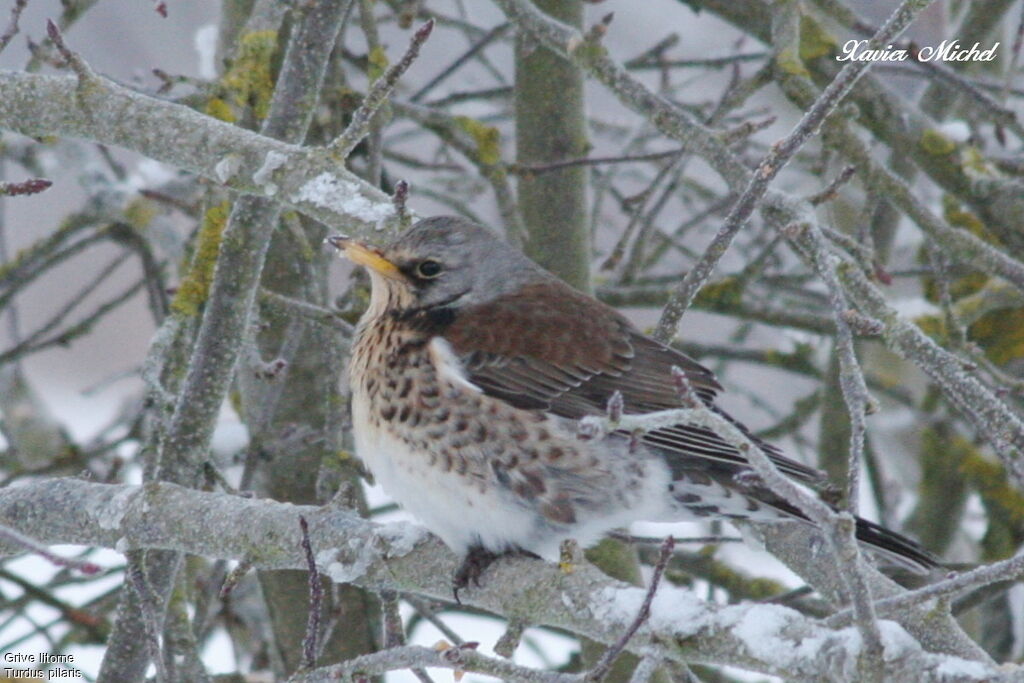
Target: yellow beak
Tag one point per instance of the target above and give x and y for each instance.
(359, 253)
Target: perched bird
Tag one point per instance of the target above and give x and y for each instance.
(470, 371)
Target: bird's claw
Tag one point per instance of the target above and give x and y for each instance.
(474, 564)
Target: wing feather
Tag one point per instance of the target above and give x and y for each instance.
(549, 347)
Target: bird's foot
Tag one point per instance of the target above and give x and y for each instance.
(475, 563)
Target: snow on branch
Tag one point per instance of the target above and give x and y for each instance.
(767, 638)
(308, 179)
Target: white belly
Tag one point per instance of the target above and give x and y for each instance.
(462, 513)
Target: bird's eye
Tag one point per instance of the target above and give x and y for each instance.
(428, 268)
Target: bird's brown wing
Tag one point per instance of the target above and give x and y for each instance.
(552, 348)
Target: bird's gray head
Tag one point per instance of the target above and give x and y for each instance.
(443, 261)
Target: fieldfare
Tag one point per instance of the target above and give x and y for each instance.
(470, 372)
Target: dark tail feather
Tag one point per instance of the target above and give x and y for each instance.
(895, 548)
(891, 546)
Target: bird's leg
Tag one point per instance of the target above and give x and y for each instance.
(475, 563)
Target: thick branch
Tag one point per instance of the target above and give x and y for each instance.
(307, 179)
(766, 638)
(551, 127)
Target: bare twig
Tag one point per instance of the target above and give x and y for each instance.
(357, 128)
(779, 155)
(44, 254)
(851, 377)
(12, 24)
(427, 611)
(77, 64)
(456, 658)
(316, 599)
(398, 199)
(32, 341)
(642, 220)
(109, 113)
(655, 52)
(539, 169)
(151, 614)
(233, 577)
(604, 664)
(394, 632)
(746, 129)
(709, 62)
(25, 187)
(839, 528)
(9, 535)
(450, 131)
(831, 190)
(981, 83)
(704, 540)
(35, 343)
(307, 310)
(509, 641)
(375, 131)
(961, 245)
(1015, 52)
(1005, 570)
(645, 670)
(989, 107)
(955, 330)
(474, 49)
(981, 101)
(1000, 425)
(498, 93)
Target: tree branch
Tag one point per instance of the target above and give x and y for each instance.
(401, 557)
(305, 178)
